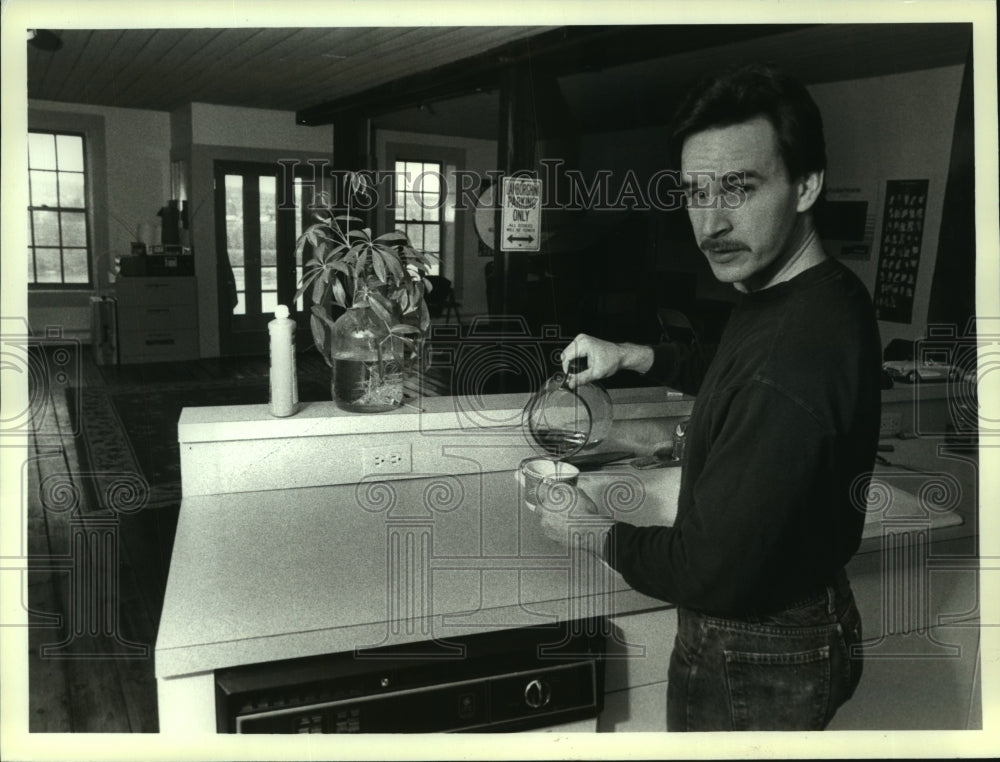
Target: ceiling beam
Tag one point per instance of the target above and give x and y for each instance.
(562, 51)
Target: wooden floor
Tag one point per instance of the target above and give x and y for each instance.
(96, 579)
(90, 667)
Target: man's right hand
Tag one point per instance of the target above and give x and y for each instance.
(604, 358)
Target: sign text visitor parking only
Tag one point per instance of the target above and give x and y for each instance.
(521, 214)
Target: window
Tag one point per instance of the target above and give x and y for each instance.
(419, 199)
(57, 213)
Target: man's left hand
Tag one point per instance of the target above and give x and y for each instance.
(568, 514)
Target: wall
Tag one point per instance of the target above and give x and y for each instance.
(139, 146)
(896, 127)
(480, 156)
(137, 171)
(225, 132)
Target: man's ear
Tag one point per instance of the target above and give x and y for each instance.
(809, 189)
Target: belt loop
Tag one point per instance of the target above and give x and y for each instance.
(831, 599)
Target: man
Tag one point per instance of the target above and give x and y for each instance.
(782, 435)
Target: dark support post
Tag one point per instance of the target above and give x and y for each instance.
(517, 138)
(353, 148)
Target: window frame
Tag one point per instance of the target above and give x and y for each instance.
(405, 222)
(87, 219)
(92, 127)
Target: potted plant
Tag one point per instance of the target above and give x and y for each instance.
(380, 284)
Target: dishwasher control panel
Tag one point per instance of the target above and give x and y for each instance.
(515, 679)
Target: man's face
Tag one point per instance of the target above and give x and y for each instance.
(743, 207)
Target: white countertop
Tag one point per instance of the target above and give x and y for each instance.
(260, 576)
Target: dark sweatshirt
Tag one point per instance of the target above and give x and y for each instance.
(782, 438)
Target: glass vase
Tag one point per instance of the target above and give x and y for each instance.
(369, 363)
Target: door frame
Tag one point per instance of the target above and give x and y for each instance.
(229, 339)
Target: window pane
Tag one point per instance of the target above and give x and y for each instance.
(74, 229)
(71, 189)
(269, 278)
(297, 188)
(240, 278)
(416, 235)
(412, 210)
(431, 212)
(432, 238)
(69, 152)
(43, 188)
(46, 228)
(41, 150)
(412, 169)
(234, 218)
(75, 266)
(268, 301)
(268, 220)
(48, 267)
(241, 300)
(429, 181)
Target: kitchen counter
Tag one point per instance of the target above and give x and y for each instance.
(293, 542)
(276, 574)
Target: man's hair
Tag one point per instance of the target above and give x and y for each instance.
(756, 90)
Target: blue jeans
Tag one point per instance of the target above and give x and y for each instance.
(789, 670)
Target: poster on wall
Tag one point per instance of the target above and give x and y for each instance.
(899, 254)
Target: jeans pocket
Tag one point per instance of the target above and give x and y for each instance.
(779, 691)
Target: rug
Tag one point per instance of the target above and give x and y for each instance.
(128, 433)
(132, 430)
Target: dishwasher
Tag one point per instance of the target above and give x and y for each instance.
(498, 681)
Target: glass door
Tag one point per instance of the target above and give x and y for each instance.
(260, 210)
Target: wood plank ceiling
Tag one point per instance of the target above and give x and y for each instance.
(294, 68)
(274, 68)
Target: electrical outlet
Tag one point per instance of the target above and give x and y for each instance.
(387, 458)
(891, 425)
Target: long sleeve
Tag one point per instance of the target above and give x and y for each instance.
(680, 366)
(756, 486)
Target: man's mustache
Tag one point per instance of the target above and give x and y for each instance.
(722, 247)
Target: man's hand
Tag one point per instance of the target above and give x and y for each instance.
(564, 507)
(604, 358)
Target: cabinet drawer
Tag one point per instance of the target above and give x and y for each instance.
(157, 346)
(143, 317)
(157, 291)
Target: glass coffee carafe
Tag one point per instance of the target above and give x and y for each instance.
(562, 421)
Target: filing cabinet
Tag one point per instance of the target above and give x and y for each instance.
(157, 319)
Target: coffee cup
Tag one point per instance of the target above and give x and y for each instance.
(535, 473)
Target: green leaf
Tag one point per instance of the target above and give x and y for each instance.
(401, 328)
(394, 264)
(425, 317)
(339, 295)
(320, 337)
(378, 262)
(321, 314)
(380, 310)
(306, 282)
(395, 235)
(320, 284)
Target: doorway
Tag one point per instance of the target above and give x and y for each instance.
(260, 210)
